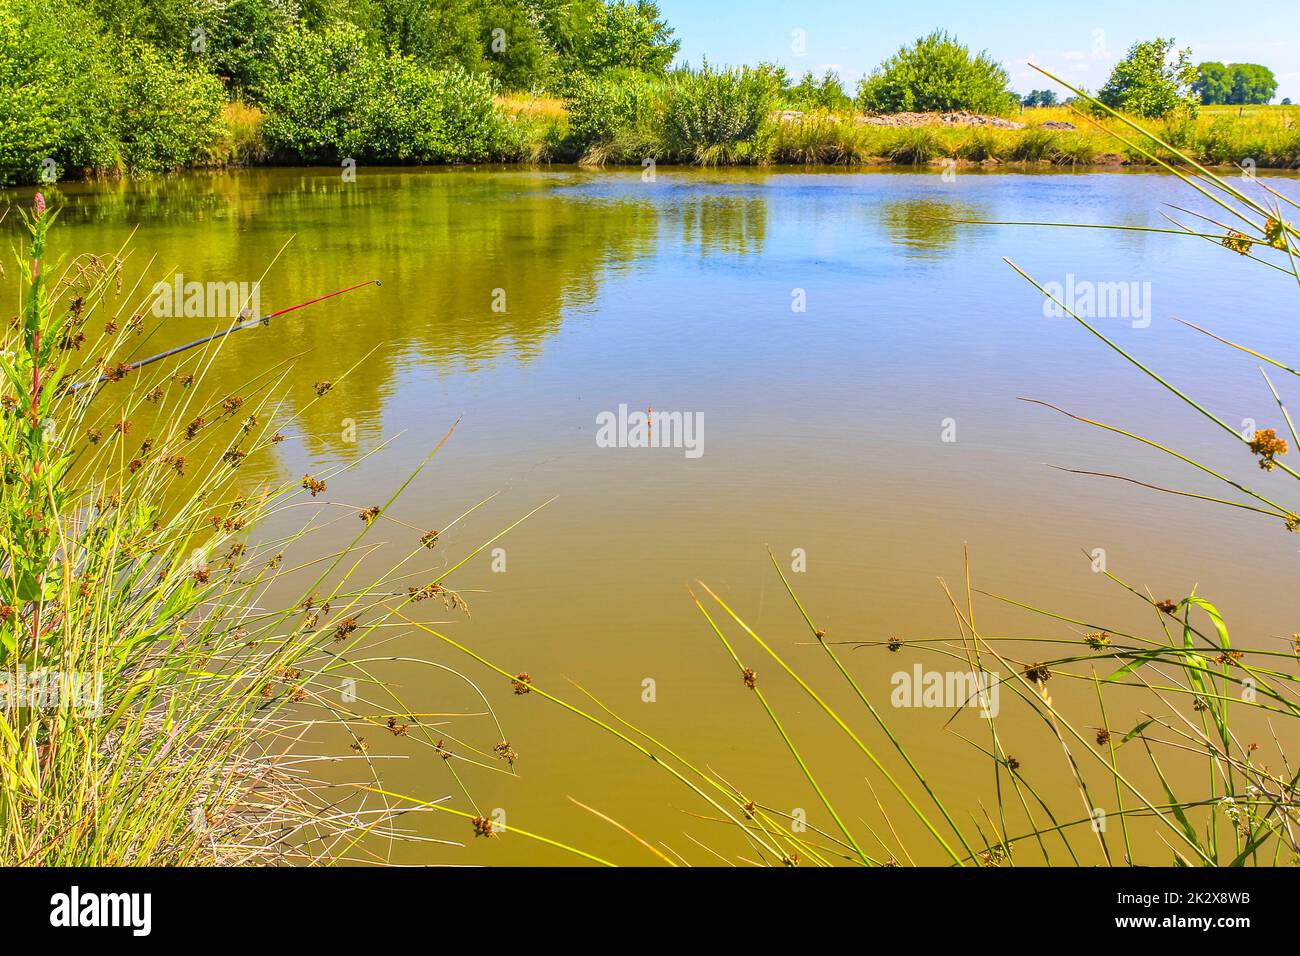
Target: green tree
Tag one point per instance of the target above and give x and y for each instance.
(937, 73)
(1148, 82)
(629, 35)
(1040, 98)
(1235, 83)
(238, 42)
(1252, 84)
(1213, 83)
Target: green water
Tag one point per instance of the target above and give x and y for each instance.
(832, 331)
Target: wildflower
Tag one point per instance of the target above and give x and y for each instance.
(370, 514)
(521, 682)
(1103, 735)
(1038, 673)
(1097, 640)
(442, 751)
(313, 485)
(117, 372)
(1228, 657)
(1199, 705)
(450, 599)
(1237, 242)
(1275, 233)
(397, 730)
(93, 435)
(249, 423)
(201, 575)
(297, 695)
(38, 205)
(184, 379)
(231, 405)
(749, 809)
(233, 457)
(750, 678)
(323, 387)
(154, 395)
(895, 644)
(1266, 444)
(429, 539)
(504, 751)
(194, 427)
(482, 826)
(345, 627)
(1013, 764)
(277, 438)
(1168, 606)
(360, 745)
(110, 327)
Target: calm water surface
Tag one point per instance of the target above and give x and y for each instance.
(823, 431)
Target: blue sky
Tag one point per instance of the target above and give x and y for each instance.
(1078, 42)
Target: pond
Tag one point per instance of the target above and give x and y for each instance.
(846, 359)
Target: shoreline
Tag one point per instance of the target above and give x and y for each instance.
(875, 164)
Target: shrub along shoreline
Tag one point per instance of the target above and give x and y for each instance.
(86, 91)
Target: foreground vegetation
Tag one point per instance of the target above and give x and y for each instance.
(179, 659)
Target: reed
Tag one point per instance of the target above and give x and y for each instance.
(167, 680)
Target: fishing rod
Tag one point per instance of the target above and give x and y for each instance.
(250, 324)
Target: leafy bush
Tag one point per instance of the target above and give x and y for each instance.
(333, 96)
(83, 101)
(1146, 83)
(600, 108)
(813, 94)
(163, 113)
(239, 41)
(937, 73)
(707, 110)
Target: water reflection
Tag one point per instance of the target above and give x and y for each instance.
(925, 226)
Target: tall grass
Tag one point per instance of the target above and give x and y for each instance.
(166, 679)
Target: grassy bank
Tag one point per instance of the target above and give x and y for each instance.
(540, 129)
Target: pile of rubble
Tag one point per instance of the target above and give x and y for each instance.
(960, 118)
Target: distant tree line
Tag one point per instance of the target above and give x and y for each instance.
(1234, 83)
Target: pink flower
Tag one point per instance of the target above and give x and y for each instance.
(39, 205)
